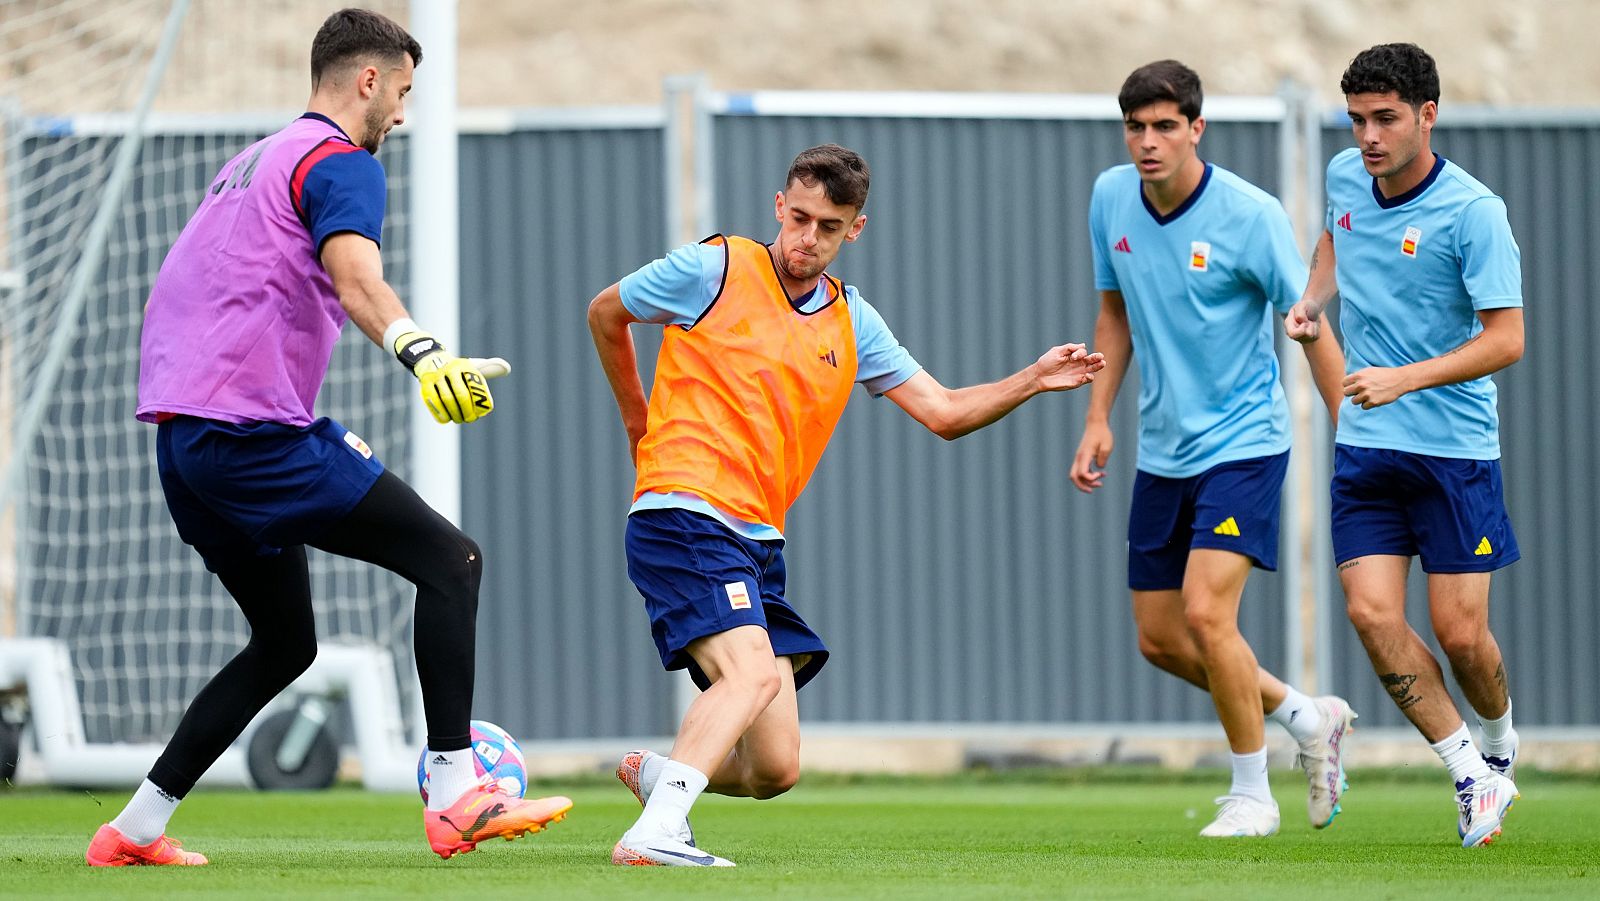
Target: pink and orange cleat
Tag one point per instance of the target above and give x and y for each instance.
(110, 848)
(485, 812)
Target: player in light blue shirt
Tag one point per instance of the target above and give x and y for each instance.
(1430, 281)
(1191, 261)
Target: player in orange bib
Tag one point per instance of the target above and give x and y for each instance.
(761, 349)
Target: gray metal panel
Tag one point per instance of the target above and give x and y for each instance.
(1542, 609)
(548, 219)
(969, 582)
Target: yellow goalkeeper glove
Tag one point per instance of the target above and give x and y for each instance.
(455, 389)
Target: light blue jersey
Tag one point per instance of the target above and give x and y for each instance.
(1413, 271)
(1200, 285)
(678, 289)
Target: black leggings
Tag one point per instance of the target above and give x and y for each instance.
(391, 527)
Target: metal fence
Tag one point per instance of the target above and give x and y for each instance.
(554, 209)
(970, 582)
(957, 583)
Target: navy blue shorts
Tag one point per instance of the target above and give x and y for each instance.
(250, 490)
(1231, 506)
(1448, 511)
(699, 578)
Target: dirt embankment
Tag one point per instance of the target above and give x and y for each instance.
(616, 52)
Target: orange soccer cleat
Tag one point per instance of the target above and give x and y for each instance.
(485, 812)
(110, 848)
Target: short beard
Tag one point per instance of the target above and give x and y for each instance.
(1399, 167)
(788, 269)
(372, 124)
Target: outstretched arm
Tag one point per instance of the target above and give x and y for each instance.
(1114, 337)
(613, 342)
(453, 388)
(1491, 350)
(953, 412)
(1304, 320)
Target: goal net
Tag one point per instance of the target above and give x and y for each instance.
(89, 555)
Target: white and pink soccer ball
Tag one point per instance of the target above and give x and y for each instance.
(495, 753)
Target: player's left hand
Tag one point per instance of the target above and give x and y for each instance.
(1067, 366)
(1375, 386)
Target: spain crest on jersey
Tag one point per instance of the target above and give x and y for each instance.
(1408, 244)
(1199, 256)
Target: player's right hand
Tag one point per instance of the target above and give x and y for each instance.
(1088, 464)
(1299, 325)
(454, 389)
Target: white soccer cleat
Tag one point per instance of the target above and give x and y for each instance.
(662, 851)
(1323, 762)
(1242, 817)
(1483, 803)
(631, 772)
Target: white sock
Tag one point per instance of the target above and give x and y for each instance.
(145, 818)
(1498, 736)
(1299, 714)
(650, 772)
(450, 775)
(677, 786)
(1461, 756)
(1250, 776)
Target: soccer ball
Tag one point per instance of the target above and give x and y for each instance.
(495, 753)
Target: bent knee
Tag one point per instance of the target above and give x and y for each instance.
(464, 560)
(1208, 623)
(760, 681)
(1163, 653)
(1462, 642)
(285, 660)
(1370, 616)
(770, 783)
(452, 565)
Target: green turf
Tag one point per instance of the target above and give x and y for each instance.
(1035, 836)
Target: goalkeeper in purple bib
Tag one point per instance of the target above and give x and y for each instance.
(238, 333)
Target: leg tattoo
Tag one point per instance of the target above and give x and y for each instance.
(1398, 685)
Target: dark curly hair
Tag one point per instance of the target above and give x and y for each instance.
(1405, 69)
(1165, 79)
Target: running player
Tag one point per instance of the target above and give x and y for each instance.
(1430, 281)
(1190, 261)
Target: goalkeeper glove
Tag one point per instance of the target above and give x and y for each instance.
(455, 389)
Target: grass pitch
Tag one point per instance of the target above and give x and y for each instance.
(1048, 835)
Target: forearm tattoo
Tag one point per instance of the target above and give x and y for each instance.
(1398, 685)
(1463, 346)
